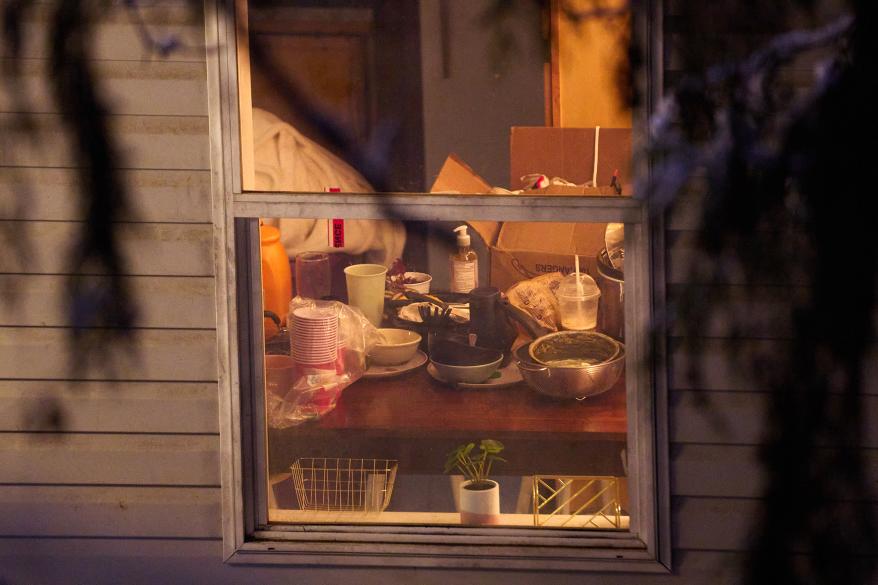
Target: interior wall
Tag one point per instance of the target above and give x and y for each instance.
(590, 52)
(472, 100)
(470, 111)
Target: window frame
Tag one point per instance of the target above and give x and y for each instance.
(645, 547)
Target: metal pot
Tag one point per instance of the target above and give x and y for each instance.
(570, 382)
(611, 305)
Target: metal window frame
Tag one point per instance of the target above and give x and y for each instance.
(645, 547)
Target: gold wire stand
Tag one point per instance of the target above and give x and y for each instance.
(580, 501)
(344, 485)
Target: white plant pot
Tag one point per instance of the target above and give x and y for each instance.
(481, 506)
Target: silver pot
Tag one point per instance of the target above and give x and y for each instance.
(611, 304)
(570, 382)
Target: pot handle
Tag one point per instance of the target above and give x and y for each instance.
(273, 316)
(531, 326)
(529, 368)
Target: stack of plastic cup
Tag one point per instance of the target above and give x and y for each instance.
(314, 336)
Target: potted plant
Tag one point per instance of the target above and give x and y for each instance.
(479, 496)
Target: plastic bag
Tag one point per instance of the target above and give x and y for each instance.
(318, 380)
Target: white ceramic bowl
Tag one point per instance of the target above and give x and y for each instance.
(423, 284)
(395, 346)
(467, 374)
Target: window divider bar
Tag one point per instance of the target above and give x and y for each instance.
(427, 207)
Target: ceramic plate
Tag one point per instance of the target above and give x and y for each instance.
(509, 376)
(419, 359)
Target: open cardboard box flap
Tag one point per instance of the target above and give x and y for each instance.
(456, 176)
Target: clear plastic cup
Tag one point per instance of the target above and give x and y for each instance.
(578, 302)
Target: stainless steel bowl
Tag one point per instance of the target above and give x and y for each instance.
(570, 382)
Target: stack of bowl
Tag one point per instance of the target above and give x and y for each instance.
(314, 336)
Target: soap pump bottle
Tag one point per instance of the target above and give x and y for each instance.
(464, 264)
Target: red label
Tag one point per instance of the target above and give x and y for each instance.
(336, 234)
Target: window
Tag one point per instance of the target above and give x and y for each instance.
(340, 459)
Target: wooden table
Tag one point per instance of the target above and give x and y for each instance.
(416, 420)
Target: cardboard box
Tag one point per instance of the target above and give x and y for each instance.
(527, 249)
(568, 153)
(522, 250)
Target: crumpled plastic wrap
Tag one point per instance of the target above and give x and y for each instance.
(315, 389)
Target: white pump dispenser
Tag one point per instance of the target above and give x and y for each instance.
(464, 264)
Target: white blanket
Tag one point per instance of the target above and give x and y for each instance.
(286, 160)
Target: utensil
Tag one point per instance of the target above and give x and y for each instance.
(578, 296)
(279, 344)
(279, 374)
(396, 346)
(505, 376)
(474, 374)
(314, 335)
(423, 282)
(365, 284)
(568, 382)
(313, 276)
(375, 371)
(434, 317)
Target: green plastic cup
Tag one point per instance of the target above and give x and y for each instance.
(365, 283)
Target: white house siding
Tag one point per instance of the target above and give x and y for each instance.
(129, 492)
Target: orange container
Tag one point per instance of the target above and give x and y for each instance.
(277, 281)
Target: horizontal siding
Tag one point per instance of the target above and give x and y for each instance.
(117, 38)
(720, 524)
(739, 418)
(165, 512)
(149, 249)
(129, 87)
(110, 407)
(167, 196)
(683, 254)
(145, 142)
(718, 369)
(196, 561)
(171, 302)
(736, 471)
(761, 312)
(156, 355)
(133, 453)
(107, 459)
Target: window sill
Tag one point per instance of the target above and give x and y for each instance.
(299, 517)
(448, 547)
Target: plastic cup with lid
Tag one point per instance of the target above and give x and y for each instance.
(578, 296)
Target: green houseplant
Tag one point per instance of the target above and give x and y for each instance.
(479, 496)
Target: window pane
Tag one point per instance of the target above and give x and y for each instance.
(361, 424)
(377, 95)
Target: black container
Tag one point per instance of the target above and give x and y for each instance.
(489, 321)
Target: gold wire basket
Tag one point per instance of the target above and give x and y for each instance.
(344, 485)
(581, 501)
